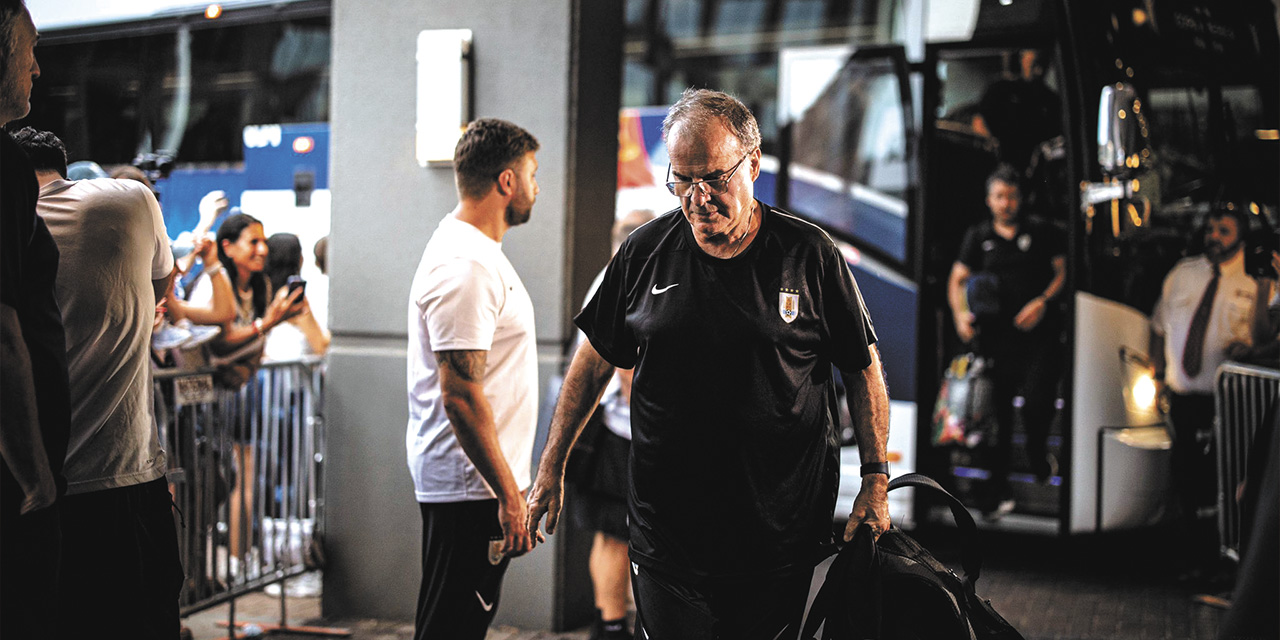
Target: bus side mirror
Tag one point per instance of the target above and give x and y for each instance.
(1121, 129)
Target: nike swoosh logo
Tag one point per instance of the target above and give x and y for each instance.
(487, 606)
(655, 291)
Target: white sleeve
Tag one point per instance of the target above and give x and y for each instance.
(460, 306)
(162, 256)
(1158, 313)
(201, 291)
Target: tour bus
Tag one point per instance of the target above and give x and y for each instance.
(880, 121)
(1130, 120)
(230, 97)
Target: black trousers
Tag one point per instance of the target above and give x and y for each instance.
(460, 588)
(767, 608)
(29, 552)
(121, 572)
(1027, 365)
(1195, 474)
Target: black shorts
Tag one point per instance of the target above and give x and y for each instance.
(767, 608)
(600, 491)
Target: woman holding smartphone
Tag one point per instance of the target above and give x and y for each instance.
(301, 335)
(237, 351)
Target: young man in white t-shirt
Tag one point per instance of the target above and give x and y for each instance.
(472, 382)
(120, 563)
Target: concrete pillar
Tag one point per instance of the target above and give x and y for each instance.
(553, 67)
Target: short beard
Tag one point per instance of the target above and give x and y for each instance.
(516, 217)
(1218, 253)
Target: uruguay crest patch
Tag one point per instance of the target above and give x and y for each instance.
(788, 304)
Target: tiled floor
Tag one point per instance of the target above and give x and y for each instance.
(1118, 586)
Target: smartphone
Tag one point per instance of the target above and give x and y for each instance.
(295, 283)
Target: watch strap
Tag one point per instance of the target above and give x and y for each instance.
(869, 468)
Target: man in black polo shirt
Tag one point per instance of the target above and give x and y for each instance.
(732, 314)
(1018, 327)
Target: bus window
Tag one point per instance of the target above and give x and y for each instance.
(849, 152)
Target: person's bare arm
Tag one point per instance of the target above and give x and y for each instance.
(317, 338)
(21, 443)
(868, 399)
(1033, 312)
(960, 274)
(462, 389)
(222, 305)
(283, 307)
(162, 286)
(584, 383)
(221, 308)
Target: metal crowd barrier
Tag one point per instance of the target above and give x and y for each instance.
(245, 469)
(1242, 396)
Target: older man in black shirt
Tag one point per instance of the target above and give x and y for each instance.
(733, 314)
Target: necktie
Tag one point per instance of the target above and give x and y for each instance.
(1193, 353)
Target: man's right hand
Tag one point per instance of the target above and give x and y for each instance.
(964, 326)
(545, 499)
(516, 538)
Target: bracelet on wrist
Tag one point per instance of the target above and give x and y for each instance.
(213, 268)
(257, 326)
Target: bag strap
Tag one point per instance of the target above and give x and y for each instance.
(852, 588)
(970, 553)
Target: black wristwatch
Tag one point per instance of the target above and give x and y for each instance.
(869, 468)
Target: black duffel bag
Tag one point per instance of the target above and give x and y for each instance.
(894, 589)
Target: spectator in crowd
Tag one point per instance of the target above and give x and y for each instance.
(473, 386)
(220, 306)
(120, 563)
(242, 250)
(318, 284)
(1209, 311)
(35, 405)
(1001, 293)
(300, 335)
(214, 208)
(733, 314)
(604, 447)
(237, 351)
(130, 172)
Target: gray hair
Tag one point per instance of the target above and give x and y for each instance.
(699, 107)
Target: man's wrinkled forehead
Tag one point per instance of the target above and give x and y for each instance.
(697, 145)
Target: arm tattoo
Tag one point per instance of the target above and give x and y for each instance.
(467, 365)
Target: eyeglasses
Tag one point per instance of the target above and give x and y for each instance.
(714, 187)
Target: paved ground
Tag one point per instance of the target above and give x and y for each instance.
(1118, 586)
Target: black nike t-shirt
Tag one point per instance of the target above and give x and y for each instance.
(734, 458)
(1023, 266)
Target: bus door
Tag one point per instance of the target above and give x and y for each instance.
(848, 165)
(985, 105)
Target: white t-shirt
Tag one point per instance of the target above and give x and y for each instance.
(112, 243)
(467, 296)
(1231, 318)
(286, 341)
